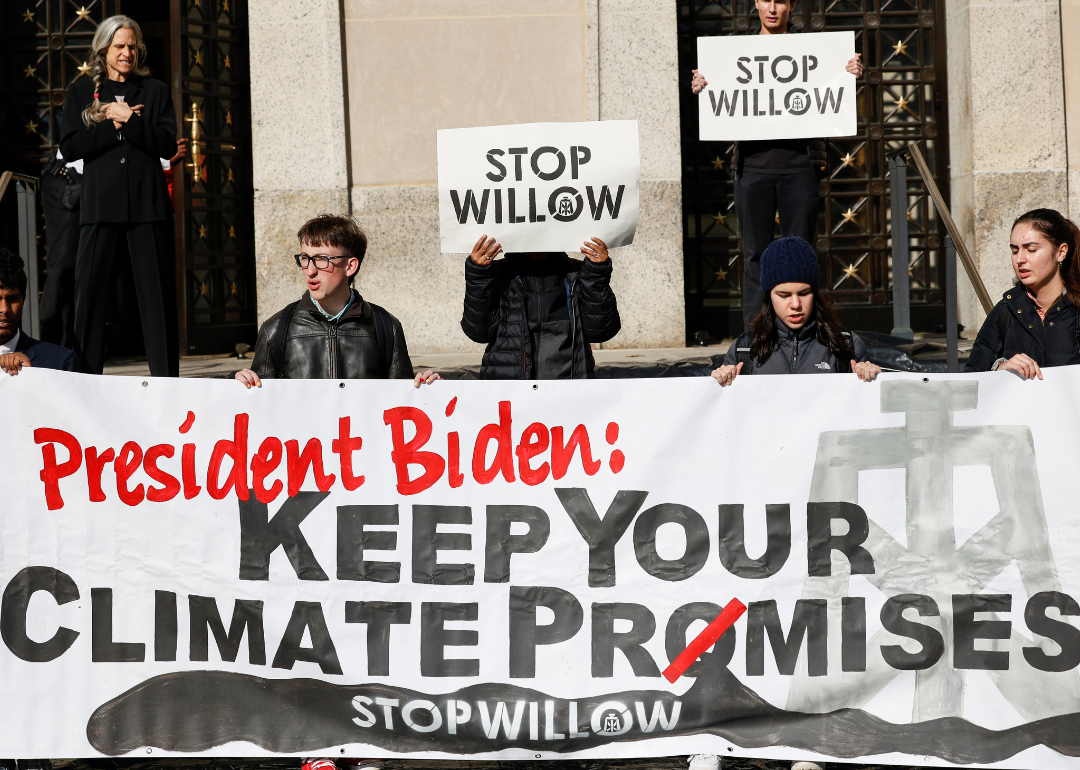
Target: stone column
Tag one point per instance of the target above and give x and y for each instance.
(639, 80)
(1006, 128)
(299, 158)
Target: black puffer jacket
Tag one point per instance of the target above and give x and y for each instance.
(495, 314)
(1014, 326)
(316, 349)
(798, 352)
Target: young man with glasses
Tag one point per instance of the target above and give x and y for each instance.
(331, 332)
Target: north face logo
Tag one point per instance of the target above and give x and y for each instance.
(822, 365)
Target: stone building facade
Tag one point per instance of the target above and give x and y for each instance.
(347, 96)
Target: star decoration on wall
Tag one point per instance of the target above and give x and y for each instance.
(721, 274)
(719, 218)
(849, 215)
(204, 290)
(900, 47)
(232, 231)
(851, 271)
(901, 104)
(82, 13)
(848, 160)
(230, 176)
(30, 70)
(228, 64)
(717, 164)
(777, 217)
(28, 15)
(198, 58)
(232, 286)
(31, 127)
(228, 118)
(84, 68)
(225, 7)
(198, 3)
(202, 232)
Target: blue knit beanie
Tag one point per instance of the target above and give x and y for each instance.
(788, 260)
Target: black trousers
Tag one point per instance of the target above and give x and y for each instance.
(758, 199)
(152, 266)
(60, 201)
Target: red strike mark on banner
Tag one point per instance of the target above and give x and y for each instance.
(706, 639)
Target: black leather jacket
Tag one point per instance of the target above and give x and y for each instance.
(316, 349)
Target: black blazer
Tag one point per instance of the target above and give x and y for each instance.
(45, 355)
(122, 176)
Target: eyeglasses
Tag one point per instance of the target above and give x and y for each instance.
(322, 261)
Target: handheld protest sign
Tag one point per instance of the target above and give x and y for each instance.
(539, 186)
(777, 86)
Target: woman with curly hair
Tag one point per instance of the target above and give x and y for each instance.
(120, 121)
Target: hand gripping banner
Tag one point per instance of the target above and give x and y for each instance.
(802, 566)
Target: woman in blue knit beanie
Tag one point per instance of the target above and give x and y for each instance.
(796, 330)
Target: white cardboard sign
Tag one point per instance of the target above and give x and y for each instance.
(792, 86)
(539, 186)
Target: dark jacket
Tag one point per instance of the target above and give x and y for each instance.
(45, 355)
(1014, 326)
(798, 352)
(316, 349)
(122, 176)
(815, 148)
(495, 314)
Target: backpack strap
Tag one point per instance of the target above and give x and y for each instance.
(843, 364)
(384, 335)
(279, 340)
(742, 356)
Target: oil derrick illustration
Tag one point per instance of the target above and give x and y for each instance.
(929, 447)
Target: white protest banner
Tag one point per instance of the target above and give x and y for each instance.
(792, 86)
(482, 570)
(539, 186)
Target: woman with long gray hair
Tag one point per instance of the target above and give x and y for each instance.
(120, 121)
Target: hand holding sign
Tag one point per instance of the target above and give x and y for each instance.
(485, 251)
(595, 250)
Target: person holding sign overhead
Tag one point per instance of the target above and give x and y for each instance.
(774, 176)
(539, 311)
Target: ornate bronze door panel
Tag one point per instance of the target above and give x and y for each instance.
(213, 197)
(46, 44)
(901, 99)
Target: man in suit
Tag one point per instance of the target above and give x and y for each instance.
(18, 349)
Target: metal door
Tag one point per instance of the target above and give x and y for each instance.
(901, 99)
(214, 195)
